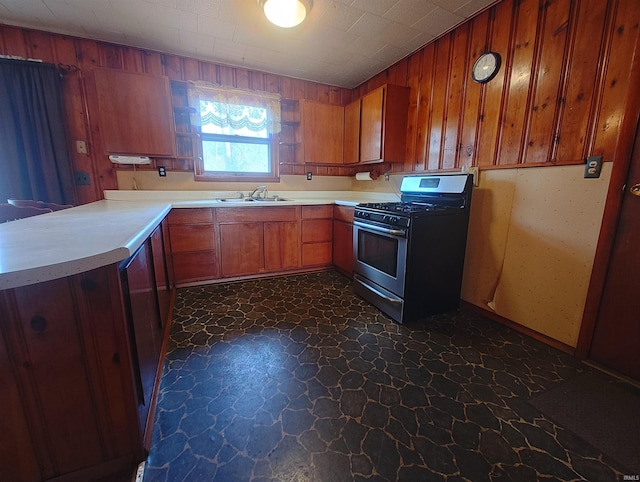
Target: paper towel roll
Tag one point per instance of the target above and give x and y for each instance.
(366, 176)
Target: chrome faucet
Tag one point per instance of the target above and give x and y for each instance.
(255, 194)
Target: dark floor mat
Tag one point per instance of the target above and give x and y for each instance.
(602, 411)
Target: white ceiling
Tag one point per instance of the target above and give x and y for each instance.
(342, 42)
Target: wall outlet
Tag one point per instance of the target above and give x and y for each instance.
(162, 171)
(309, 176)
(593, 167)
(82, 178)
(81, 147)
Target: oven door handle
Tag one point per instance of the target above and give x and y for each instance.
(401, 233)
(376, 292)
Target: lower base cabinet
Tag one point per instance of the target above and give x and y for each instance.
(78, 365)
(258, 240)
(343, 239)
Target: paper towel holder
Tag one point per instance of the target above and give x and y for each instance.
(367, 175)
(129, 159)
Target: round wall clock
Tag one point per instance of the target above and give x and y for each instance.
(486, 67)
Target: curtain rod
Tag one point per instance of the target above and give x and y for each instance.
(63, 68)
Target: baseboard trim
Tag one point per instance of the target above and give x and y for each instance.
(547, 340)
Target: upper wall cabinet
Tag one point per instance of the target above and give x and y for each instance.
(352, 132)
(134, 113)
(383, 124)
(322, 132)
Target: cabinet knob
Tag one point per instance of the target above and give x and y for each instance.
(38, 323)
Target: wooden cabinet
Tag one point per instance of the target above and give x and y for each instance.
(351, 150)
(343, 239)
(193, 245)
(322, 132)
(258, 240)
(317, 235)
(79, 358)
(188, 143)
(145, 325)
(163, 268)
(134, 113)
(383, 124)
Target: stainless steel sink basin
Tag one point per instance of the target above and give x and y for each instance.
(249, 199)
(270, 199)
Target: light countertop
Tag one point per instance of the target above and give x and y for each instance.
(72, 241)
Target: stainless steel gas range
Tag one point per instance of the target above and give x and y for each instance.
(409, 255)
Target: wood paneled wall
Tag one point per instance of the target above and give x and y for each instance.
(87, 54)
(559, 96)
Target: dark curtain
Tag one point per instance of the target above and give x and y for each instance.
(34, 158)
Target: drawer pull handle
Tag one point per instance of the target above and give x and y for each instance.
(635, 190)
(38, 323)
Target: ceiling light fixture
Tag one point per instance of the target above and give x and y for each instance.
(286, 13)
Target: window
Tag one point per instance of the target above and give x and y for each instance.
(238, 133)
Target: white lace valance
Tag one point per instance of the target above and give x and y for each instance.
(234, 107)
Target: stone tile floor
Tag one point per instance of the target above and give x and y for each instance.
(297, 379)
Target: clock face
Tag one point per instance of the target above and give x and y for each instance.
(486, 67)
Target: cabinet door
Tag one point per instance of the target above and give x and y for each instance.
(134, 113)
(322, 132)
(343, 246)
(371, 126)
(241, 249)
(145, 325)
(281, 246)
(351, 150)
(160, 265)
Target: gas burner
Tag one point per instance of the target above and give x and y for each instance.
(400, 207)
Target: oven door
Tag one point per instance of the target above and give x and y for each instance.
(380, 255)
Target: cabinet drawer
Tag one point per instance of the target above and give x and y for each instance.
(343, 213)
(191, 237)
(189, 267)
(252, 214)
(191, 216)
(315, 212)
(317, 230)
(316, 254)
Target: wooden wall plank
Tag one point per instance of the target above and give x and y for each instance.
(110, 56)
(626, 30)
(241, 78)
(493, 96)
(439, 102)
(587, 36)
(413, 81)
(519, 83)
(65, 50)
(15, 42)
(132, 59)
(39, 46)
(172, 67)
(88, 54)
(191, 69)
(455, 101)
(423, 129)
(471, 108)
(152, 62)
(542, 130)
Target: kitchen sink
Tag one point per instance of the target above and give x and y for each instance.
(249, 199)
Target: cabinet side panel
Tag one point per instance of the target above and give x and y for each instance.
(17, 452)
(56, 363)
